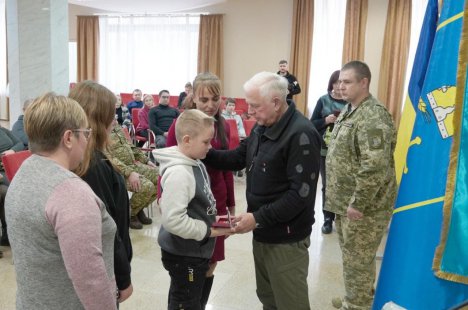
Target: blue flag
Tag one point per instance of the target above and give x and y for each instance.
(406, 275)
(451, 261)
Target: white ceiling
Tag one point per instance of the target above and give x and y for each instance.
(146, 6)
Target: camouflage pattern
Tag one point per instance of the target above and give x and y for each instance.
(361, 174)
(128, 158)
(359, 241)
(360, 164)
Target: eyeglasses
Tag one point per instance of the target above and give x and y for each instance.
(86, 132)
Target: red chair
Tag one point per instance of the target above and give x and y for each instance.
(234, 137)
(136, 121)
(249, 124)
(173, 100)
(12, 162)
(126, 97)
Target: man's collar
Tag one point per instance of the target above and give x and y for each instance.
(276, 129)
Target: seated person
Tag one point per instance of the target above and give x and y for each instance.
(142, 128)
(18, 126)
(9, 144)
(230, 113)
(141, 175)
(161, 117)
(121, 112)
(183, 95)
(136, 103)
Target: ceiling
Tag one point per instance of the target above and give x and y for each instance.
(146, 6)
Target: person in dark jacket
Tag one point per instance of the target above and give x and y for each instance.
(18, 126)
(183, 95)
(161, 117)
(282, 160)
(9, 144)
(99, 104)
(326, 112)
(293, 85)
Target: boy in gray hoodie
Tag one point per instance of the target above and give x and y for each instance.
(188, 210)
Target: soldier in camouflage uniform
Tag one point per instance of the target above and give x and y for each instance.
(140, 174)
(361, 184)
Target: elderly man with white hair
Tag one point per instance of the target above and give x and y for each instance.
(282, 159)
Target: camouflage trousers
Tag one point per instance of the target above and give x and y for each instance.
(359, 241)
(148, 187)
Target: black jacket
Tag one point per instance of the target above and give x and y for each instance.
(282, 164)
(109, 186)
(293, 85)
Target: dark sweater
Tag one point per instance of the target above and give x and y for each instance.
(109, 186)
(160, 118)
(282, 170)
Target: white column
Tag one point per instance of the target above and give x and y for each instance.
(37, 36)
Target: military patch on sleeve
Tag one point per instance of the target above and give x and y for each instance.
(375, 137)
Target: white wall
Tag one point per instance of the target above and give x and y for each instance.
(257, 34)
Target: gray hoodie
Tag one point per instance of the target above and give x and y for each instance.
(187, 205)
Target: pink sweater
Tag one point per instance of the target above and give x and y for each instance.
(143, 118)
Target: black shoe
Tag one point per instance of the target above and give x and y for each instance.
(135, 223)
(327, 227)
(4, 240)
(143, 218)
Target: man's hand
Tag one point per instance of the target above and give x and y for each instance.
(134, 180)
(8, 152)
(354, 214)
(165, 134)
(244, 223)
(124, 294)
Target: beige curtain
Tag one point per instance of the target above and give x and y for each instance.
(301, 49)
(355, 30)
(395, 56)
(210, 45)
(88, 48)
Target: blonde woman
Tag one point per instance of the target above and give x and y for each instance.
(61, 235)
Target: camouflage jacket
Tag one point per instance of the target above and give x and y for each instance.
(122, 153)
(360, 165)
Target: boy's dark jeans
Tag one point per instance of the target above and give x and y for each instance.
(188, 275)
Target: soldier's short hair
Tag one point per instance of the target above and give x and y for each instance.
(282, 61)
(190, 122)
(48, 117)
(360, 68)
(269, 85)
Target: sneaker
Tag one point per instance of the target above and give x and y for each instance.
(327, 227)
(135, 223)
(337, 302)
(143, 218)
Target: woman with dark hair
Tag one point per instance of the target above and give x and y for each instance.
(206, 97)
(98, 102)
(325, 114)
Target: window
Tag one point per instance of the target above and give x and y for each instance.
(327, 46)
(148, 52)
(72, 62)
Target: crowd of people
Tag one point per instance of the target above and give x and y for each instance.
(77, 227)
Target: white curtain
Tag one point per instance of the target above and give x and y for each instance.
(418, 9)
(3, 64)
(327, 46)
(148, 52)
